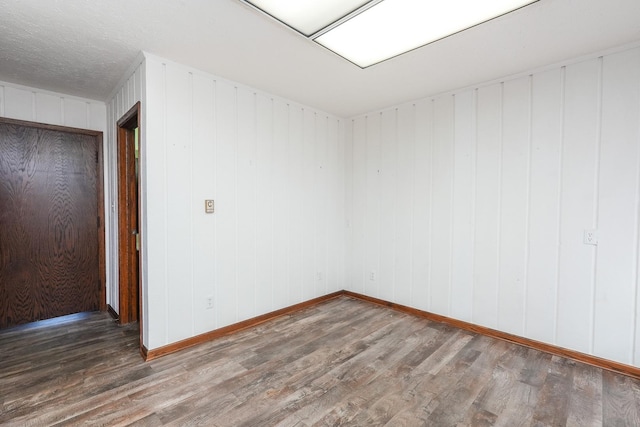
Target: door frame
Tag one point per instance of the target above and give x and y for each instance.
(99, 192)
(129, 258)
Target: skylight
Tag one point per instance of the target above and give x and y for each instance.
(308, 16)
(368, 32)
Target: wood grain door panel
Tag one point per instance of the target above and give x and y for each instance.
(49, 230)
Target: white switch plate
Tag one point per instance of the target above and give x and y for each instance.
(590, 237)
(208, 206)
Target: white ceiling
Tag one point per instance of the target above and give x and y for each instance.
(83, 48)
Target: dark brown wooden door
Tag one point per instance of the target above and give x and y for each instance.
(49, 226)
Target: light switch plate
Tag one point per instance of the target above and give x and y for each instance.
(208, 206)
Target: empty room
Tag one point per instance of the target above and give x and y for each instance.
(310, 213)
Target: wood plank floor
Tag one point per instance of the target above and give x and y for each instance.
(344, 362)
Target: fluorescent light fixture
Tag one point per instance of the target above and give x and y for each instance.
(308, 16)
(368, 32)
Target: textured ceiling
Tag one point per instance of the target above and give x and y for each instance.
(83, 48)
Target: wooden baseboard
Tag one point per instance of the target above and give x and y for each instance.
(112, 312)
(236, 327)
(598, 362)
(144, 352)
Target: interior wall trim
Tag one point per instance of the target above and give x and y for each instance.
(598, 362)
(577, 356)
(236, 327)
(112, 312)
(144, 352)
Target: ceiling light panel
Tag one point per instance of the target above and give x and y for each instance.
(308, 16)
(393, 27)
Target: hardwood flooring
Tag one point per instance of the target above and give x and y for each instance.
(343, 362)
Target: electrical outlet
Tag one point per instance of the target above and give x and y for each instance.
(372, 276)
(590, 237)
(319, 276)
(208, 302)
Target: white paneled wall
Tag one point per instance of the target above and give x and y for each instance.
(36, 105)
(276, 172)
(124, 97)
(474, 204)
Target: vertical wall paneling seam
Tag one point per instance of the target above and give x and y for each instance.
(107, 203)
(166, 202)
(191, 211)
(333, 201)
(126, 94)
(527, 220)
(318, 190)
(236, 144)
(339, 187)
(474, 191)
(255, 202)
(122, 97)
(452, 206)
(634, 329)
(431, 120)
(320, 170)
(379, 209)
(342, 181)
(349, 170)
(345, 237)
(366, 218)
(499, 190)
(330, 199)
(396, 175)
(133, 89)
(322, 123)
(314, 220)
(596, 203)
(273, 204)
(322, 159)
(563, 76)
(114, 115)
(287, 201)
(216, 292)
(302, 202)
(327, 203)
(111, 277)
(412, 198)
(115, 239)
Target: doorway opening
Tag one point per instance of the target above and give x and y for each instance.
(128, 216)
